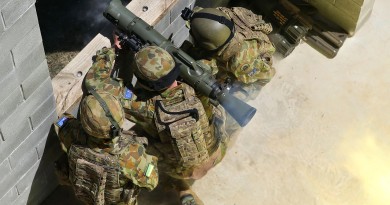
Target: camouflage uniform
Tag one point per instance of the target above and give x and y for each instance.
(247, 58)
(104, 169)
(140, 107)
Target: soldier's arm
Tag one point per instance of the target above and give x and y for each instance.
(99, 73)
(139, 166)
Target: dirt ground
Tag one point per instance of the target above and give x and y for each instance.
(320, 135)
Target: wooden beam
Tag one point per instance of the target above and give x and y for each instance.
(156, 9)
(67, 83)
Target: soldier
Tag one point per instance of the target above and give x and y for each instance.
(237, 47)
(104, 164)
(186, 140)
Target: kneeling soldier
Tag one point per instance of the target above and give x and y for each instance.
(106, 165)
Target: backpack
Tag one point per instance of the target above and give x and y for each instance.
(96, 177)
(183, 128)
(247, 26)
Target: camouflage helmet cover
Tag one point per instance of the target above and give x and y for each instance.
(93, 117)
(210, 28)
(153, 63)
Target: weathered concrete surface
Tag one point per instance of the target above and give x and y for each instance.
(320, 135)
(321, 132)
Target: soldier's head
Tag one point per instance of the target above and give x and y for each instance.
(211, 28)
(101, 115)
(155, 68)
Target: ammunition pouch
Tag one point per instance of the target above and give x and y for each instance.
(96, 178)
(178, 121)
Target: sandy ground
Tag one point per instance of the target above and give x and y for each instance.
(321, 132)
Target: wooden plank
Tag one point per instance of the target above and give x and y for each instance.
(156, 9)
(67, 83)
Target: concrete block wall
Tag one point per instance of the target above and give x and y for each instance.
(27, 108)
(172, 26)
(349, 14)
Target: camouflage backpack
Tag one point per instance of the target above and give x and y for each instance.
(183, 126)
(247, 26)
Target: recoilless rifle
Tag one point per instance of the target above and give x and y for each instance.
(135, 33)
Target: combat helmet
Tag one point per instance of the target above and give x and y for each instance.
(211, 28)
(101, 115)
(155, 68)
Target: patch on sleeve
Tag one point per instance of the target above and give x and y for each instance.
(127, 94)
(149, 170)
(62, 121)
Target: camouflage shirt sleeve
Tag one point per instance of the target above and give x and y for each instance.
(99, 78)
(69, 131)
(139, 166)
(99, 75)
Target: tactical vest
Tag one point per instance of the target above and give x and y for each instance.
(247, 26)
(97, 179)
(183, 127)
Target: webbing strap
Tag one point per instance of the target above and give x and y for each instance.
(193, 112)
(115, 131)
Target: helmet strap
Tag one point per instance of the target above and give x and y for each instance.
(115, 128)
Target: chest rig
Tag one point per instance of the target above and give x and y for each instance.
(180, 120)
(97, 179)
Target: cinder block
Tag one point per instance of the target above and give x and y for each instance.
(26, 181)
(174, 28)
(20, 29)
(10, 104)
(23, 158)
(6, 64)
(2, 28)
(177, 8)
(41, 147)
(27, 149)
(8, 84)
(180, 36)
(12, 11)
(163, 23)
(3, 2)
(32, 62)
(5, 169)
(18, 171)
(17, 127)
(23, 197)
(43, 111)
(6, 178)
(26, 46)
(49, 146)
(176, 25)
(10, 196)
(32, 82)
(13, 137)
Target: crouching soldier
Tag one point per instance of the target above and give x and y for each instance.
(187, 140)
(105, 165)
(234, 43)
